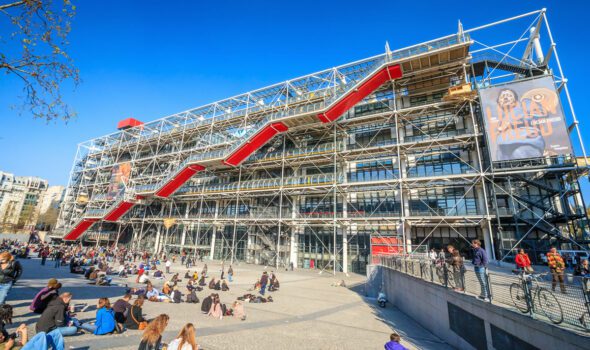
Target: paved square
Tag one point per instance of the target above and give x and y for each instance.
(308, 313)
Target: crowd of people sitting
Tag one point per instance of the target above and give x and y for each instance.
(58, 314)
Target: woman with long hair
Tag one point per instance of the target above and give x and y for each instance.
(105, 319)
(216, 310)
(135, 317)
(185, 340)
(152, 336)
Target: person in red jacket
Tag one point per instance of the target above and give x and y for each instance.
(523, 262)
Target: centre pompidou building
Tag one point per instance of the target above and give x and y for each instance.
(439, 143)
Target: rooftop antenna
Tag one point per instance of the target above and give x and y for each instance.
(387, 50)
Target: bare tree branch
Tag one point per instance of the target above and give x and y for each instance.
(36, 54)
(14, 4)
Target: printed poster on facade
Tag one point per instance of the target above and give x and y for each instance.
(524, 120)
(119, 179)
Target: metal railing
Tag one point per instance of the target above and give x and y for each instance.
(533, 294)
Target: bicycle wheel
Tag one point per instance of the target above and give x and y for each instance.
(519, 298)
(550, 305)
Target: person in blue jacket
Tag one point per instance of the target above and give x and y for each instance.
(105, 319)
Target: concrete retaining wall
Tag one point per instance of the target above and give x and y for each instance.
(429, 305)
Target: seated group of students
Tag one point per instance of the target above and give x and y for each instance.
(212, 306)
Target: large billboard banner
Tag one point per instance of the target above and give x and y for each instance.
(119, 179)
(524, 120)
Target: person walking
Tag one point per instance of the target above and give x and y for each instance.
(57, 258)
(44, 255)
(480, 263)
(556, 267)
(168, 265)
(263, 282)
(523, 262)
(10, 272)
(230, 273)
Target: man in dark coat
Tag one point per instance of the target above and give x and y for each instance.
(54, 316)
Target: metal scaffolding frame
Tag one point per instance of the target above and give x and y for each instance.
(300, 196)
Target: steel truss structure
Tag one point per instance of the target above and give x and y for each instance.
(307, 172)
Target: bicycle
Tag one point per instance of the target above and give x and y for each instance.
(525, 293)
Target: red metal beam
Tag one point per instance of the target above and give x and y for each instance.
(79, 229)
(257, 141)
(183, 176)
(386, 74)
(119, 211)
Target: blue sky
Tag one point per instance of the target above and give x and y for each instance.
(150, 59)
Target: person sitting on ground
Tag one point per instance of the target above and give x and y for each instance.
(212, 283)
(152, 335)
(191, 296)
(93, 275)
(88, 272)
(218, 285)
(5, 319)
(394, 343)
(45, 295)
(238, 310)
(102, 279)
(176, 295)
(135, 316)
(216, 311)
(196, 276)
(256, 287)
(54, 316)
(166, 289)
(123, 271)
(158, 273)
(202, 281)
(105, 319)
(206, 305)
(7, 342)
(274, 284)
(145, 277)
(188, 275)
(152, 294)
(224, 286)
(140, 273)
(190, 285)
(121, 308)
(340, 283)
(185, 340)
